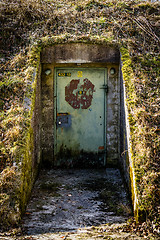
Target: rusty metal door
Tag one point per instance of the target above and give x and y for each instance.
(80, 125)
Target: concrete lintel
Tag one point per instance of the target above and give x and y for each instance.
(80, 53)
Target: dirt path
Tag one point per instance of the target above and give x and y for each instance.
(77, 204)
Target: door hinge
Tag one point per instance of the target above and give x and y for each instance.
(105, 87)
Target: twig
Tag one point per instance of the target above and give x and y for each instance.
(149, 32)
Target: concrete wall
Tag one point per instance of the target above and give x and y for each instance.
(88, 55)
(32, 148)
(113, 117)
(126, 159)
(47, 103)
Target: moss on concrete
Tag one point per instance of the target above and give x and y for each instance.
(139, 149)
(128, 78)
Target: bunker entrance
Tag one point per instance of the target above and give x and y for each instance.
(82, 125)
(80, 105)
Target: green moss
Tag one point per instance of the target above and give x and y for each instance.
(128, 77)
(140, 133)
(29, 172)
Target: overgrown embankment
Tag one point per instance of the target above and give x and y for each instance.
(133, 25)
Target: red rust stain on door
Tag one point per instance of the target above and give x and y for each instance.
(79, 95)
